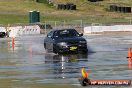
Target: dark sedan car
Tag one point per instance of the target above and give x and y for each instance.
(65, 41)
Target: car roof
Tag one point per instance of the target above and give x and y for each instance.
(62, 29)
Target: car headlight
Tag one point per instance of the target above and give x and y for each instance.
(82, 42)
(62, 43)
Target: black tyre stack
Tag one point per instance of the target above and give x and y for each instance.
(118, 8)
(73, 7)
(63, 6)
(59, 6)
(37, 0)
(128, 9)
(113, 8)
(67, 6)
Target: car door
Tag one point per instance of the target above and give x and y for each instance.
(49, 41)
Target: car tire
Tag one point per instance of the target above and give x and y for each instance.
(45, 45)
(55, 49)
(46, 50)
(85, 51)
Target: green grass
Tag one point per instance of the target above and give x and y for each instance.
(14, 19)
(16, 11)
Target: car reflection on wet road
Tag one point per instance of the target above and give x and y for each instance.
(65, 66)
(30, 65)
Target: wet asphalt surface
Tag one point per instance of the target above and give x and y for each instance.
(29, 62)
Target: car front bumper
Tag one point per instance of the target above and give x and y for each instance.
(72, 48)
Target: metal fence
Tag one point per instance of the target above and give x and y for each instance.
(51, 25)
(75, 24)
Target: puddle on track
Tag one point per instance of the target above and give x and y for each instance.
(30, 65)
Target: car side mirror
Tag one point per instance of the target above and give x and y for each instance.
(80, 34)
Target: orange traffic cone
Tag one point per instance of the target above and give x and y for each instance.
(86, 74)
(129, 53)
(129, 58)
(129, 63)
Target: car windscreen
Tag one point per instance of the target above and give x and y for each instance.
(67, 33)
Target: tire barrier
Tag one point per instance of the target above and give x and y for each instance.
(68, 6)
(59, 6)
(94, 0)
(113, 8)
(128, 9)
(37, 0)
(64, 6)
(122, 9)
(42, 1)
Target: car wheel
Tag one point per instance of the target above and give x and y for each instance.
(85, 51)
(45, 48)
(44, 45)
(55, 49)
